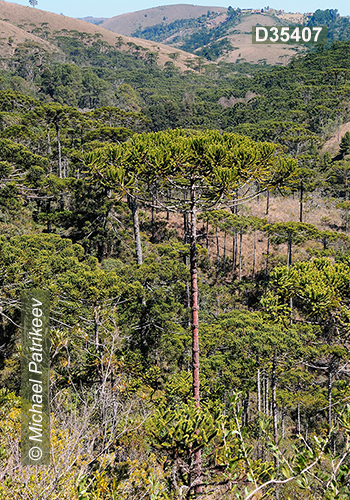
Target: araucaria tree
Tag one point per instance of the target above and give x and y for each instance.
(188, 172)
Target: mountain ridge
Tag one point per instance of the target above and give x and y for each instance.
(20, 23)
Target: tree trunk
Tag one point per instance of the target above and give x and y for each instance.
(195, 323)
(254, 256)
(135, 217)
(258, 390)
(217, 250)
(207, 239)
(346, 212)
(49, 150)
(289, 257)
(240, 255)
(267, 258)
(246, 410)
(274, 400)
(152, 220)
(224, 258)
(185, 227)
(267, 202)
(234, 251)
(97, 341)
(301, 201)
(299, 420)
(59, 150)
(330, 385)
(266, 394)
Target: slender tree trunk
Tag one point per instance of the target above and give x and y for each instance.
(217, 250)
(185, 227)
(234, 251)
(207, 239)
(258, 390)
(59, 150)
(274, 400)
(289, 256)
(195, 323)
(224, 258)
(299, 419)
(152, 220)
(346, 212)
(135, 217)
(246, 410)
(301, 201)
(49, 150)
(267, 202)
(240, 256)
(266, 394)
(330, 386)
(254, 256)
(283, 430)
(267, 258)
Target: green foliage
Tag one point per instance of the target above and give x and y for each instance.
(120, 330)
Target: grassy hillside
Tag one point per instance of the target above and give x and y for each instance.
(21, 23)
(216, 34)
(225, 35)
(128, 23)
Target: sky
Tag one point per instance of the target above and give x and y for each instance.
(110, 8)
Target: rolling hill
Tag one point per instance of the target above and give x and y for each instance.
(18, 24)
(129, 23)
(215, 33)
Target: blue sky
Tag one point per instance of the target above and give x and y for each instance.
(110, 8)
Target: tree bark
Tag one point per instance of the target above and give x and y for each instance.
(195, 323)
(301, 201)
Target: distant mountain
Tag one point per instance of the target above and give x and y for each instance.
(19, 24)
(215, 33)
(126, 24)
(93, 20)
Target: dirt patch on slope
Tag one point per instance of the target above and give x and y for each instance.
(332, 145)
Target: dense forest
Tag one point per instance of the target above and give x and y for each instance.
(192, 230)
